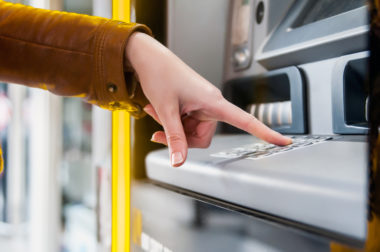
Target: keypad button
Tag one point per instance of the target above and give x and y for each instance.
(261, 150)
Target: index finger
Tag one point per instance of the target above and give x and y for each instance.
(231, 114)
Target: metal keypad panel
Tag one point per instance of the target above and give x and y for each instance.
(261, 150)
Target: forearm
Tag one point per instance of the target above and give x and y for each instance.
(68, 54)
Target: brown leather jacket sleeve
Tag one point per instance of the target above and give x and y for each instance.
(69, 54)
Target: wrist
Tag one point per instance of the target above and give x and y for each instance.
(132, 46)
(135, 50)
(143, 51)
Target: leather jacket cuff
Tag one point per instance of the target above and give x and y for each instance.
(114, 88)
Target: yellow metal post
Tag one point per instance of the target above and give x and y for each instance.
(121, 170)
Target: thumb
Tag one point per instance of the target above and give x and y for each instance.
(175, 137)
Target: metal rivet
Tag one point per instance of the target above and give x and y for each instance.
(138, 108)
(112, 88)
(115, 105)
(135, 110)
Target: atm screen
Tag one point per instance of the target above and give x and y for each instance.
(321, 9)
(343, 25)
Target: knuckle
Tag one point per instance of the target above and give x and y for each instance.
(213, 92)
(217, 99)
(205, 145)
(167, 109)
(218, 94)
(249, 123)
(175, 138)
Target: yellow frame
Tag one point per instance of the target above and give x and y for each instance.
(121, 165)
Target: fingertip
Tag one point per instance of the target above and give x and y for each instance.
(285, 141)
(155, 140)
(177, 159)
(148, 109)
(289, 140)
(159, 137)
(282, 140)
(276, 138)
(158, 142)
(154, 137)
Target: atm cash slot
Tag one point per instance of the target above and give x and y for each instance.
(350, 95)
(273, 114)
(276, 98)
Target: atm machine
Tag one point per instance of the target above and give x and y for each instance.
(300, 66)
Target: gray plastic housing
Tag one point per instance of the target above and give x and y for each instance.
(323, 185)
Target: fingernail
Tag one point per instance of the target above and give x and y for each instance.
(176, 158)
(290, 141)
(157, 142)
(153, 139)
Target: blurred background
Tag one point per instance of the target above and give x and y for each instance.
(48, 193)
(55, 192)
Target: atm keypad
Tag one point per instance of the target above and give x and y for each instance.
(261, 150)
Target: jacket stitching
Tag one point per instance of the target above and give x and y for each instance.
(103, 70)
(99, 67)
(96, 49)
(95, 65)
(47, 46)
(101, 48)
(122, 45)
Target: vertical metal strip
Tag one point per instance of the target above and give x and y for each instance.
(121, 174)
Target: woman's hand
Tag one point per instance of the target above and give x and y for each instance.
(183, 102)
